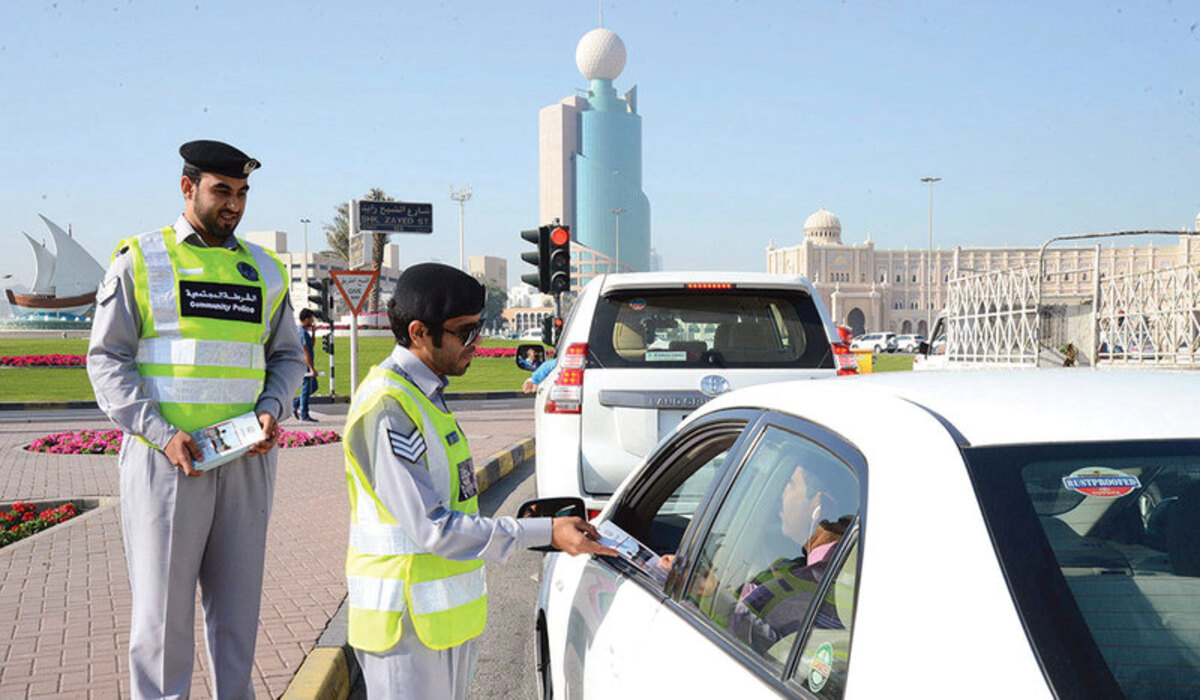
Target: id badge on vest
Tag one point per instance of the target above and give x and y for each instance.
(467, 488)
(229, 302)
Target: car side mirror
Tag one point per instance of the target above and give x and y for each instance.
(923, 348)
(530, 356)
(561, 507)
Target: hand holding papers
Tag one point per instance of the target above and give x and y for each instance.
(227, 440)
(632, 551)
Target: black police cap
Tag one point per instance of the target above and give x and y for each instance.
(219, 158)
(434, 293)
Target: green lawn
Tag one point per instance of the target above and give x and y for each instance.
(893, 363)
(71, 384)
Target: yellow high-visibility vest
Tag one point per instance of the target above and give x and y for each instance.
(205, 316)
(387, 572)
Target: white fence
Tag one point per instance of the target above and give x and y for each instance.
(1142, 319)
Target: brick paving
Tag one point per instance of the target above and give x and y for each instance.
(64, 593)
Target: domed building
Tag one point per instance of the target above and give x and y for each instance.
(590, 165)
(902, 290)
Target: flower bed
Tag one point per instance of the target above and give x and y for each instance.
(43, 360)
(22, 519)
(108, 442)
(503, 352)
(300, 438)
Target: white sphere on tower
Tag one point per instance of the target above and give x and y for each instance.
(600, 54)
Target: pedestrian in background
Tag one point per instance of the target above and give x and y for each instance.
(193, 327)
(414, 566)
(308, 386)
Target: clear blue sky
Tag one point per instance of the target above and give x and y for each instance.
(1043, 118)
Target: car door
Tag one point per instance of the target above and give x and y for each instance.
(607, 602)
(760, 600)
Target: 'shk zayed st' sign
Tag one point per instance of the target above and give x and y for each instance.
(394, 217)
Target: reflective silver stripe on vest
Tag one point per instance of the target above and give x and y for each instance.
(385, 594)
(381, 538)
(201, 389)
(435, 452)
(446, 593)
(160, 284)
(271, 277)
(203, 353)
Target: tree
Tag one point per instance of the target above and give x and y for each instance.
(493, 305)
(337, 235)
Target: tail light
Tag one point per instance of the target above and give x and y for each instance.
(842, 357)
(593, 513)
(566, 395)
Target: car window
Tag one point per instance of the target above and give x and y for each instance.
(660, 506)
(730, 328)
(771, 542)
(826, 653)
(1118, 523)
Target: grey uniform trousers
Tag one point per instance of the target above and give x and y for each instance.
(181, 530)
(412, 671)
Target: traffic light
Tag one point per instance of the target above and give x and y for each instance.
(327, 343)
(319, 296)
(539, 259)
(560, 258)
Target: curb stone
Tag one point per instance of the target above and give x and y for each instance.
(329, 670)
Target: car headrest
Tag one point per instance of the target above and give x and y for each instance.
(1183, 545)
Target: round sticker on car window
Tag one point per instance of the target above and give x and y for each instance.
(822, 667)
(637, 304)
(1101, 482)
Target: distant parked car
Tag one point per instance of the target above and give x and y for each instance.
(875, 342)
(909, 342)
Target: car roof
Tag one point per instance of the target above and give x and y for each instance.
(999, 407)
(668, 280)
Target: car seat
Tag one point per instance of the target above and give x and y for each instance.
(628, 342)
(746, 341)
(1183, 546)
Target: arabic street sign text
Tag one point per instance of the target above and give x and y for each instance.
(394, 217)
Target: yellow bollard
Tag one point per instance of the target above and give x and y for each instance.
(866, 361)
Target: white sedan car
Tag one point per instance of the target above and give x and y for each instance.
(982, 534)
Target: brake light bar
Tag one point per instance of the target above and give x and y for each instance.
(708, 286)
(566, 395)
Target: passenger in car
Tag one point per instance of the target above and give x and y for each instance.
(771, 605)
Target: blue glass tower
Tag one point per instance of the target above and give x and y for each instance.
(592, 160)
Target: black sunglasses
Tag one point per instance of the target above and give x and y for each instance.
(470, 334)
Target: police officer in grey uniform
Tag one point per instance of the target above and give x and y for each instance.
(182, 526)
(435, 314)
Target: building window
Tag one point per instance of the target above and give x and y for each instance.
(897, 279)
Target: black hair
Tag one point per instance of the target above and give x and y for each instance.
(306, 314)
(192, 173)
(399, 320)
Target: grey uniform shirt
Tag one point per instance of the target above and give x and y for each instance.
(112, 352)
(407, 490)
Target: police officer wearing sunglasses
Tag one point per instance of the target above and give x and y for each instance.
(414, 566)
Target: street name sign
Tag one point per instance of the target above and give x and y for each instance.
(354, 286)
(393, 217)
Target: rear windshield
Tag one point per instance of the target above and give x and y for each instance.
(736, 328)
(1101, 546)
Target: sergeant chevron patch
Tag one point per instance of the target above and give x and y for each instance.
(410, 447)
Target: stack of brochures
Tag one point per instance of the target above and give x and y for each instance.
(227, 440)
(632, 550)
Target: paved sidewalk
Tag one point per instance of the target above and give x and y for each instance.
(64, 593)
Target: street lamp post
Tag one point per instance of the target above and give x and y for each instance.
(306, 222)
(618, 212)
(461, 196)
(929, 261)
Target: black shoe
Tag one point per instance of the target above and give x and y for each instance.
(308, 419)
(296, 413)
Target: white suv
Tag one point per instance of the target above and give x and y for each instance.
(640, 351)
(875, 342)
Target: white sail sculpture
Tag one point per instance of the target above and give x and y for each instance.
(65, 281)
